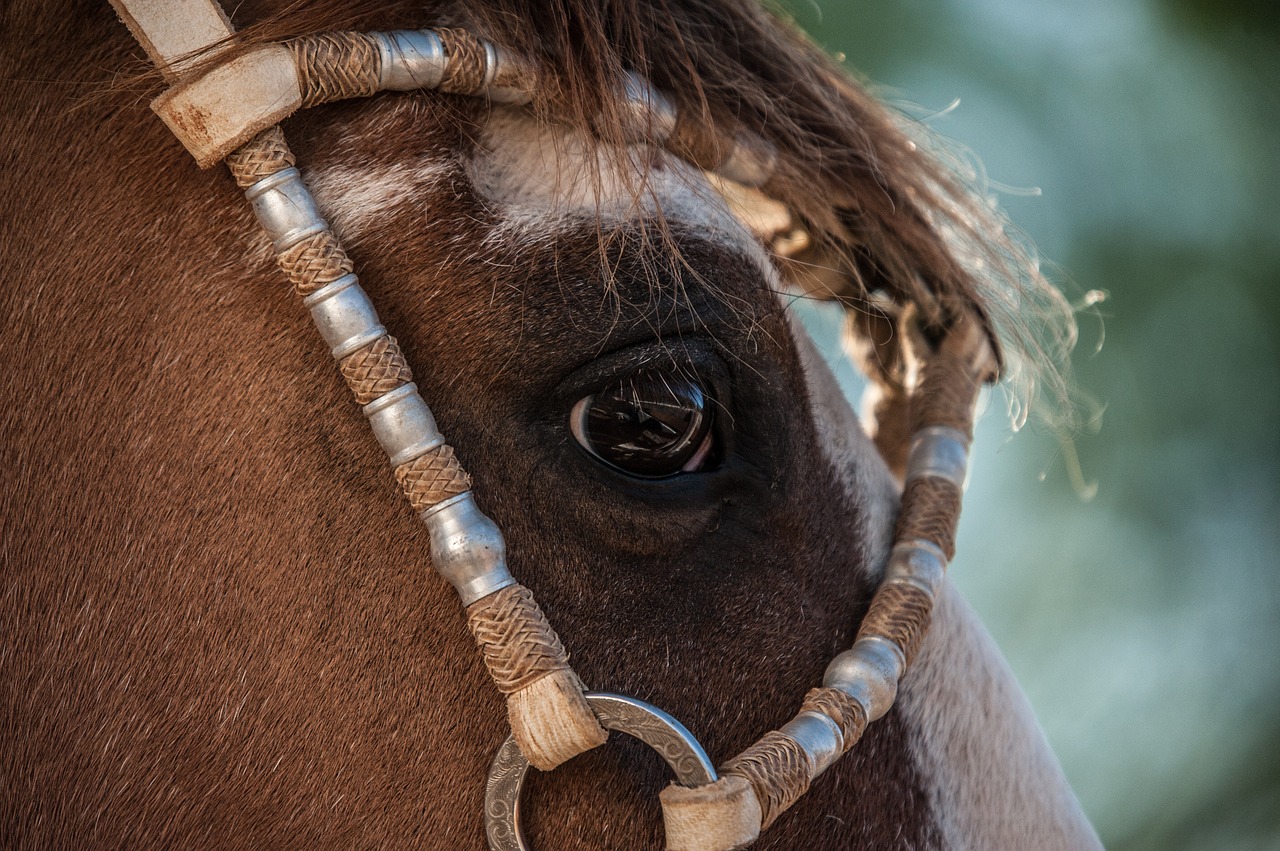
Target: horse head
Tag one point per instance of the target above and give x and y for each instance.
(226, 626)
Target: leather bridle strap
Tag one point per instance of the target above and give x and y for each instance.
(218, 111)
(860, 684)
(549, 715)
(174, 33)
(227, 103)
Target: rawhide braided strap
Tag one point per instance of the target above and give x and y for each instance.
(861, 683)
(229, 111)
(217, 111)
(548, 713)
(544, 697)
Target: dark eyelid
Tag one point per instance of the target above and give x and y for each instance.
(694, 358)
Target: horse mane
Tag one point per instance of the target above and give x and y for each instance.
(897, 222)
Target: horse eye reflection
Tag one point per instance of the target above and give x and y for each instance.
(652, 425)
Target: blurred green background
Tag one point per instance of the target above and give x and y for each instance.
(1144, 623)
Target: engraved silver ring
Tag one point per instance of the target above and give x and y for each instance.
(627, 715)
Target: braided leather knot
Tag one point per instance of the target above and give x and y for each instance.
(930, 510)
(468, 62)
(778, 770)
(952, 377)
(262, 157)
(376, 369)
(336, 66)
(314, 262)
(900, 613)
(841, 708)
(433, 478)
(513, 635)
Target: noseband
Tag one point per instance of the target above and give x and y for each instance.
(229, 111)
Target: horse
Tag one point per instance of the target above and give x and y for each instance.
(221, 625)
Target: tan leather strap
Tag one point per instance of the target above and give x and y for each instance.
(218, 112)
(171, 32)
(779, 767)
(550, 718)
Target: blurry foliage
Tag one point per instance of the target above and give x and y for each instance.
(1144, 624)
(1255, 15)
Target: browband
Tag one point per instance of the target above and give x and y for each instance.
(225, 104)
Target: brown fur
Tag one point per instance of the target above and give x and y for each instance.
(221, 627)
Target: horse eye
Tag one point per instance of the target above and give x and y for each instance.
(651, 425)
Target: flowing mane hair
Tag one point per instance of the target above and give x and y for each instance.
(899, 225)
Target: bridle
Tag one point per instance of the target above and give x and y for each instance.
(229, 111)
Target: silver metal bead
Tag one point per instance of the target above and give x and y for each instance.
(490, 63)
(939, 451)
(411, 59)
(917, 562)
(285, 208)
(346, 319)
(869, 673)
(652, 117)
(881, 644)
(751, 161)
(329, 290)
(467, 549)
(403, 424)
(499, 60)
(819, 736)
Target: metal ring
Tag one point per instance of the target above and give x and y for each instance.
(917, 562)
(868, 672)
(285, 208)
(271, 181)
(818, 735)
(514, 92)
(403, 424)
(627, 715)
(440, 506)
(467, 549)
(411, 59)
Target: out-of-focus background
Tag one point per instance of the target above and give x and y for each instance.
(1144, 622)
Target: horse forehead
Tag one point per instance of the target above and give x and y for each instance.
(529, 167)
(538, 179)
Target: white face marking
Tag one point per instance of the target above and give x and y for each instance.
(543, 177)
(541, 180)
(353, 199)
